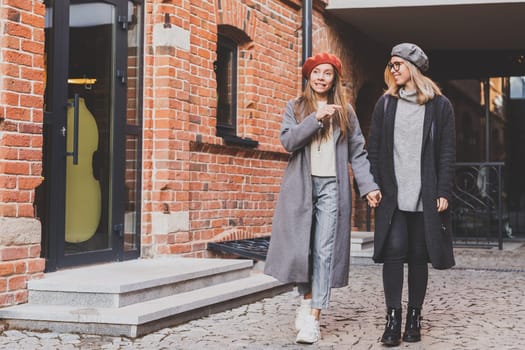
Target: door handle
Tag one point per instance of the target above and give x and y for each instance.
(75, 131)
(121, 75)
(119, 230)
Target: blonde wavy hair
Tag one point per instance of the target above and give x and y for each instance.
(426, 88)
(306, 104)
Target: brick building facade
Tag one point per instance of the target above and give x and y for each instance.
(21, 116)
(186, 182)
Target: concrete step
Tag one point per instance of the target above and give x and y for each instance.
(362, 244)
(126, 283)
(105, 299)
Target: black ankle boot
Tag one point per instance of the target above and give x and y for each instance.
(392, 334)
(413, 325)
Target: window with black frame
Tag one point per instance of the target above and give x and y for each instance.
(226, 75)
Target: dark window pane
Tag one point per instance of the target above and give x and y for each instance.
(226, 73)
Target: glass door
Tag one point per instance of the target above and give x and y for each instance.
(90, 118)
(85, 193)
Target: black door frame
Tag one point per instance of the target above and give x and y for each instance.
(55, 121)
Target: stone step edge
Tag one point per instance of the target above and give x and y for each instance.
(90, 287)
(362, 237)
(116, 300)
(141, 313)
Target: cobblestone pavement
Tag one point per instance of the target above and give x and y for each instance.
(479, 304)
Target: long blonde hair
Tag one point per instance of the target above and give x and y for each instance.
(426, 88)
(306, 104)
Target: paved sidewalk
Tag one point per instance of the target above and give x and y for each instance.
(479, 304)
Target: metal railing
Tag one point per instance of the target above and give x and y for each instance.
(478, 214)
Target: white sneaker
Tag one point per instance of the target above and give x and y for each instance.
(310, 332)
(302, 313)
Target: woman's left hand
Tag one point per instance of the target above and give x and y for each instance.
(442, 204)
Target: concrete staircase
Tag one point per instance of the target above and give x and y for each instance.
(136, 297)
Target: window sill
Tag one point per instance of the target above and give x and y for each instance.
(238, 141)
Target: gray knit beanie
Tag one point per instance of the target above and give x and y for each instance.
(413, 54)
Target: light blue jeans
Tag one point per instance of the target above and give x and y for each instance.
(324, 197)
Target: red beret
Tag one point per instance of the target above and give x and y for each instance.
(318, 59)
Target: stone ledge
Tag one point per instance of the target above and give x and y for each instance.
(362, 244)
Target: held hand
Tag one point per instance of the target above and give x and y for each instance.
(442, 204)
(373, 198)
(326, 111)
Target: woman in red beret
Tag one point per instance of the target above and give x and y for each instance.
(310, 243)
(412, 153)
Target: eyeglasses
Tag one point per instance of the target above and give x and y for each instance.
(395, 65)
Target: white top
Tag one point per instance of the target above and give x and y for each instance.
(322, 154)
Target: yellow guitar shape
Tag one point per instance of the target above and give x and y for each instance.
(83, 197)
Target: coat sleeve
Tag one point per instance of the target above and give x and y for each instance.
(375, 137)
(358, 158)
(295, 135)
(446, 152)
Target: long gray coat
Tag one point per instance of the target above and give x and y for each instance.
(438, 155)
(288, 254)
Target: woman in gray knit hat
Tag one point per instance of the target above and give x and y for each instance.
(412, 152)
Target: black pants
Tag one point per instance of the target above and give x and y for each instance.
(405, 243)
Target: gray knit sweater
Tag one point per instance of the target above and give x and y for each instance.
(408, 137)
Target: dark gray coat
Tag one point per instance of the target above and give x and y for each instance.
(287, 258)
(438, 155)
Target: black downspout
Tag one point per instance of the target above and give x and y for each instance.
(307, 31)
(486, 110)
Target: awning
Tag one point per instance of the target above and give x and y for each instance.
(441, 25)
(488, 31)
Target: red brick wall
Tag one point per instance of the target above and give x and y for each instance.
(196, 188)
(223, 189)
(21, 113)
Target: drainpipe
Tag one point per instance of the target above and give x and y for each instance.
(307, 31)
(486, 97)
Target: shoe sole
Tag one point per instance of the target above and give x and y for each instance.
(307, 341)
(303, 341)
(391, 343)
(411, 340)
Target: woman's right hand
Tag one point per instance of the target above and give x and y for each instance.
(327, 111)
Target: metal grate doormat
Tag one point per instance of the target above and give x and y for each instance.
(252, 248)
